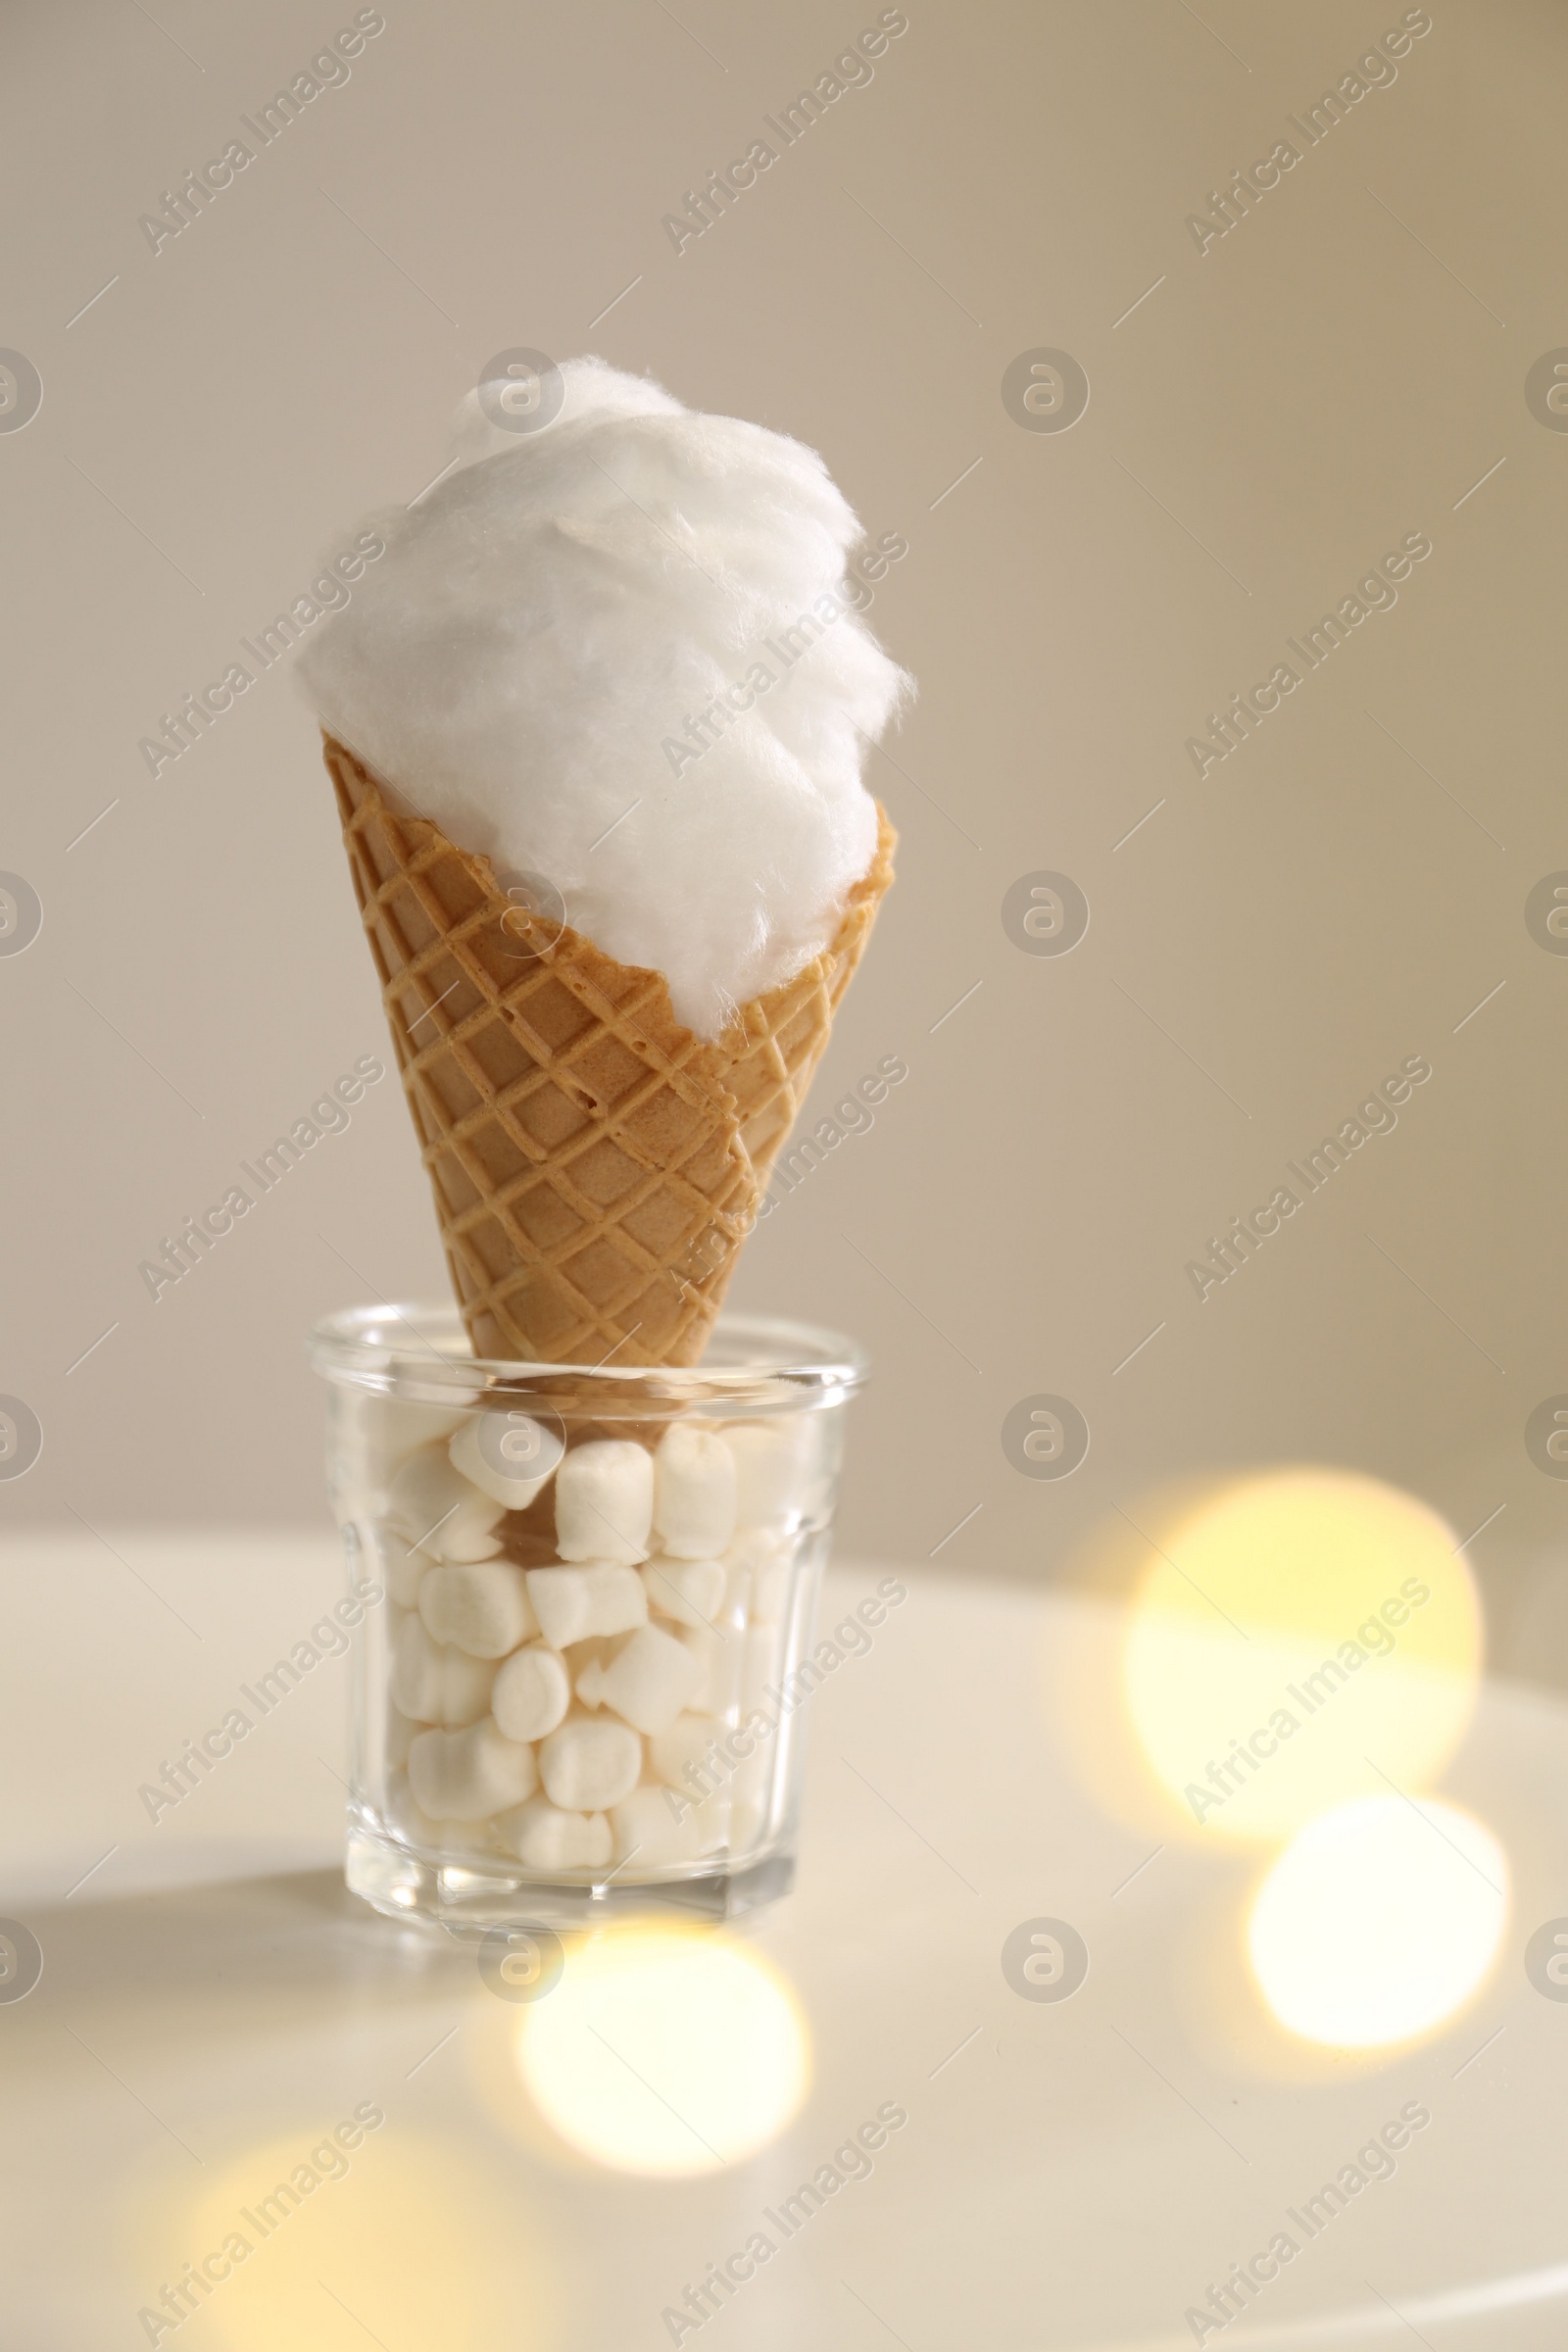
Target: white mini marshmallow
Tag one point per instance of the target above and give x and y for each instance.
(405, 1565)
(548, 1837)
(445, 1837)
(682, 1757)
(762, 1663)
(573, 1603)
(588, 1682)
(646, 1678)
(380, 1552)
(436, 1507)
(656, 1827)
(532, 1692)
(605, 1502)
(692, 1591)
(405, 1816)
(400, 1733)
(694, 1492)
(590, 1762)
(767, 1457)
(509, 1456)
(375, 1437)
(759, 1561)
(683, 1745)
(483, 1607)
(717, 1668)
(435, 1683)
(467, 1775)
(404, 1428)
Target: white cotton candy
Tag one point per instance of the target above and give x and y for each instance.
(524, 660)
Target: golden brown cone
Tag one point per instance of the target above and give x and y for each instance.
(595, 1166)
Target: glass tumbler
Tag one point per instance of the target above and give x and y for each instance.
(587, 1597)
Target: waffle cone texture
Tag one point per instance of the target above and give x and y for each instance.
(596, 1166)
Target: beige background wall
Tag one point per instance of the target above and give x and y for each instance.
(1336, 373)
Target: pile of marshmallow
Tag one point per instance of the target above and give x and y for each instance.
(550, 1714)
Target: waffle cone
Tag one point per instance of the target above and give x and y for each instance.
(596, 1166)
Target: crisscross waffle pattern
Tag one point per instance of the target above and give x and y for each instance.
(595, 1166)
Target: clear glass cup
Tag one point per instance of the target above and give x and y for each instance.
(565, 1713)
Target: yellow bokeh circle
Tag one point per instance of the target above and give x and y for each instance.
(1299, 1639)
(1379, 1921)
(667, 2051)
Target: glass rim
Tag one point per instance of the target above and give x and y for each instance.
(387, 1351)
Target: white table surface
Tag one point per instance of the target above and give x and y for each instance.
(1073, 2177)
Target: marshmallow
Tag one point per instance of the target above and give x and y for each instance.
(646, 1678)
(376, 1551)
(395, 1563)
(682, 1759)
(546, 1837)
(405, 1816)
(442, 1511)
(605, 1502)
(657, 1827)
(692, 1591)
(466, 1775)
(717, 1668)
(761, 1665)
(436, 1683)
(402, 1428)
(372, 1438)
(589, 1762)
(532, 1692)
(572, 1603)
(758, 1562)
(588, 1680)
(483, 1607)
(767, 1458)
(683, 1744)
(399, 1737)
(445, 1836)
(694, 1492)
(507, 1456)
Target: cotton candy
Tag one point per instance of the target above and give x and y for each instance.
(526, 661)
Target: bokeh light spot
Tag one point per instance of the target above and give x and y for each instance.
(1287, 1629)
(394, 2240)
(667, 2051)
(1379, 1921)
